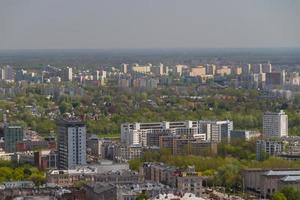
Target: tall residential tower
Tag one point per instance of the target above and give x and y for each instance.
(71, 143)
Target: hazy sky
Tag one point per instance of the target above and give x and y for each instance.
(75, 24)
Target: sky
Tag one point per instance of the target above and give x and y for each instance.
(142, 24)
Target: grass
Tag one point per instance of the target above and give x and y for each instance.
(110, 135)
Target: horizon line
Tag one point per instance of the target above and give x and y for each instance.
(158, 48)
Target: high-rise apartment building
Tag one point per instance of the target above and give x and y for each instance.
(124, 68)
(275, 124)
(267, 68)
(275, 78)
(12, 135)
(71, 143)
(68, 74)
(7, 73)
(216, 131)
(247, 69)
(210, 69)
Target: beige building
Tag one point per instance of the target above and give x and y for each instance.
(237, 70)
(141, 69)
(223, 71)
(198, 71)
(187, 180)
(294, 79)
(179, 69)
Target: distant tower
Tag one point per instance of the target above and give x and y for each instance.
(246, 69)
(267, 68)
(68, 74)
(12, 135)
(71, 143)
(124, 68)
(275, 124)
(7, 73)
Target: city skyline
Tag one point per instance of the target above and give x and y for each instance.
(148, 24)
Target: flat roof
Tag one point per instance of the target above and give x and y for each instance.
(282, 173)
(290, 178)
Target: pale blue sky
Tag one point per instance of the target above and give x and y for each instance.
(76, 24)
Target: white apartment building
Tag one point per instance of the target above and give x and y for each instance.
(275, 124)
(7, 73)
(67, 74)
(136, 133)
(217, 131)
(71, 144)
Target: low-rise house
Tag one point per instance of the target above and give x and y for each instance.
(100, 191)
(184, 180)
(116, 173)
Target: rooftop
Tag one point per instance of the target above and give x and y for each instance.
(70, 121)
(186, 196)
(100, 187)
(290, 178)
(282, 173)
(80, 170)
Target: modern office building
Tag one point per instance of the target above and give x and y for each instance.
(275, 124)
(12, 135)
(71, 143)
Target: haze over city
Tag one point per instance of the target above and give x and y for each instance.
(150, 99)
(99, 24)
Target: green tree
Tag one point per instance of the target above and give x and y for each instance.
(229, 176)
(135, 164)
(291, 193)
(18, 174)
(65, 107)
(6, 173)
(142, 196)
(278, 196)
(37, 178)
(45, 126)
